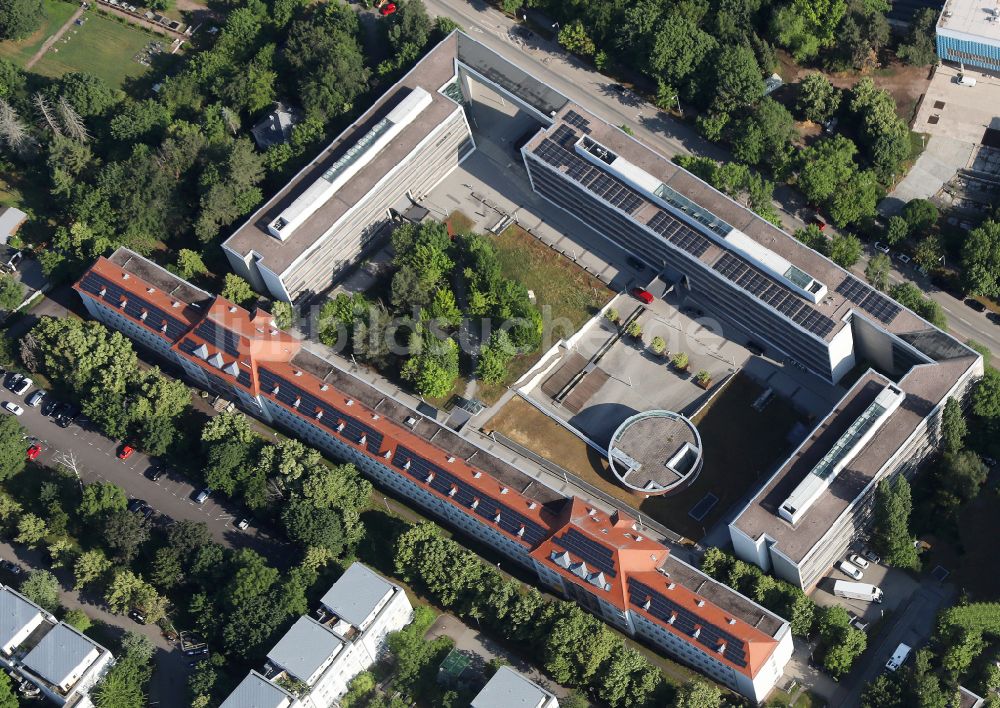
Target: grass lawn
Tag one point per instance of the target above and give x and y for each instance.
(566, 294)
(738, 455)
(102, 46)
(56, 14)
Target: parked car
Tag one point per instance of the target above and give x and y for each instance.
(13, 408)
(137, 616)
(202, 496)
(884, 248)
(857, 560)
(11, 567)
(818, 221)
(34, 451)
(50, 406)
(36, 398)
(66, 416)
(243, 524)
(850, 569)
(136, 504)
(196, 651)
(125, 452)
(975, 304)
(387, 9)
(20, 385)
(903, 258)
(155, 472)
(871, 555)
(643, 295)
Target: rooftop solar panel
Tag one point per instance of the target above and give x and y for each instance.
(589, 551)
(709, 635)
(465, 494)
(135, 305)
(679, 233)
(869, 299)
(219, 337)
(577, 121)
(761, 286)
(556, 151)
(353, 428)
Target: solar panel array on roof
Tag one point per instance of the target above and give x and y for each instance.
(577, 121)
(244, 378)
(288, 393)
(685, 621)
(678, 233)
(594, 554)
(555, 152)
(219, 337)
(869, 299)
(777, 296)
(466, 495)
(93, 283)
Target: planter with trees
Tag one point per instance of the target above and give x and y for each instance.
(703, 379)
(634, 330)
(658, 346)
(680, 361)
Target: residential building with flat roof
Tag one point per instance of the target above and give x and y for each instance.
(509, 689)
(968, 32)
(315, 660)
(605, 563)
(255, 691)
(60, 661)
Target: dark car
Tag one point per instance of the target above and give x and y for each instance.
(975, 304)
(136, 504)
(11, 566)
(66, 416)
(137, 616)
(155, 472)
(50, 406)
(196, 651)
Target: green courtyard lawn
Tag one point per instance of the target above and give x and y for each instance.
(101, 46)
(56, 14)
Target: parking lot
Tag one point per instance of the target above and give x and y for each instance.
(83, 450)
(897, 588)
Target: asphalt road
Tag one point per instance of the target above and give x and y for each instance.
(578, 81)
(171, 496)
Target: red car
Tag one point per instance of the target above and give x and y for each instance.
(644, 295)
(34, 451)
(388, 9)
(125, 452)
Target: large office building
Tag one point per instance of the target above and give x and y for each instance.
(968, 33)
(312, 665)
(605, 562)
(46, 657)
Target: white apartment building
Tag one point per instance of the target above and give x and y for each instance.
(509, 689)
(61, 662)
(314, 662)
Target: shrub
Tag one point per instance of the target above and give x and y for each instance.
(658, 346)
(703, 377)
(680, 360)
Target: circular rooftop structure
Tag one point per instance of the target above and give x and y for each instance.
(656, 452)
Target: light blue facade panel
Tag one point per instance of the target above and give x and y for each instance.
(961, 51)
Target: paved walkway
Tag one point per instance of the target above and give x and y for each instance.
(53, 39)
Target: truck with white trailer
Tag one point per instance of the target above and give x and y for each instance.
(857, 591)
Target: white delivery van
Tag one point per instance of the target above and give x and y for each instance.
(857, 591)
(898, 657)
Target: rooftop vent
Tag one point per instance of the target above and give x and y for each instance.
(103, 291)
(125, 276)
(375, 416)
(123, 302)
(363, 439)
(504, 490)
(671, 586)
(143, 315)
(451, 458)
(175, 304)
(350, 401)
(732, 621)
(429, 478)
(672, 618)
(406, 465)
(453, 491)
(297, 403)
(319, 413)
(700, 603)
(646, 605)
(150, 289)
(475, 503)
(298, 373)
(323, 387)
(532, 505)
(340, 427)
(233, 308)
(410, 421)
(387, 454)
(477, 474)
(497, 518)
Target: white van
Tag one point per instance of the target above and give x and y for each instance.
(898, 657)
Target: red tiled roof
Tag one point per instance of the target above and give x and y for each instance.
(258, 341)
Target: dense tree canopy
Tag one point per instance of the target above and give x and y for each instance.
(19, 18)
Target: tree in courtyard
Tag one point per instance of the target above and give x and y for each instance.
(19, 18)
(78, 620)
(962, 475)
(897, 230)
(845, 250)
(30, 529)
(11, 447)
(312, 526)
(953, 426)
(283, 314)
(574, 37)
(986, 396)
(628, 679)
(237, 290)
(89, 566)
(920, 215)
(877, 271)
(190, 264)
(100, 498)
(42, 588)
(765, 135)
(8, 698)
(855, 199)
(981, 259)
(818, 99)
(494, 357)
(11, 292)
(893, 505)
(698, 694)
(826, 166)
(124, 533)
(918, 46)
(573, 629)
(736, 79)
(433, 364)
